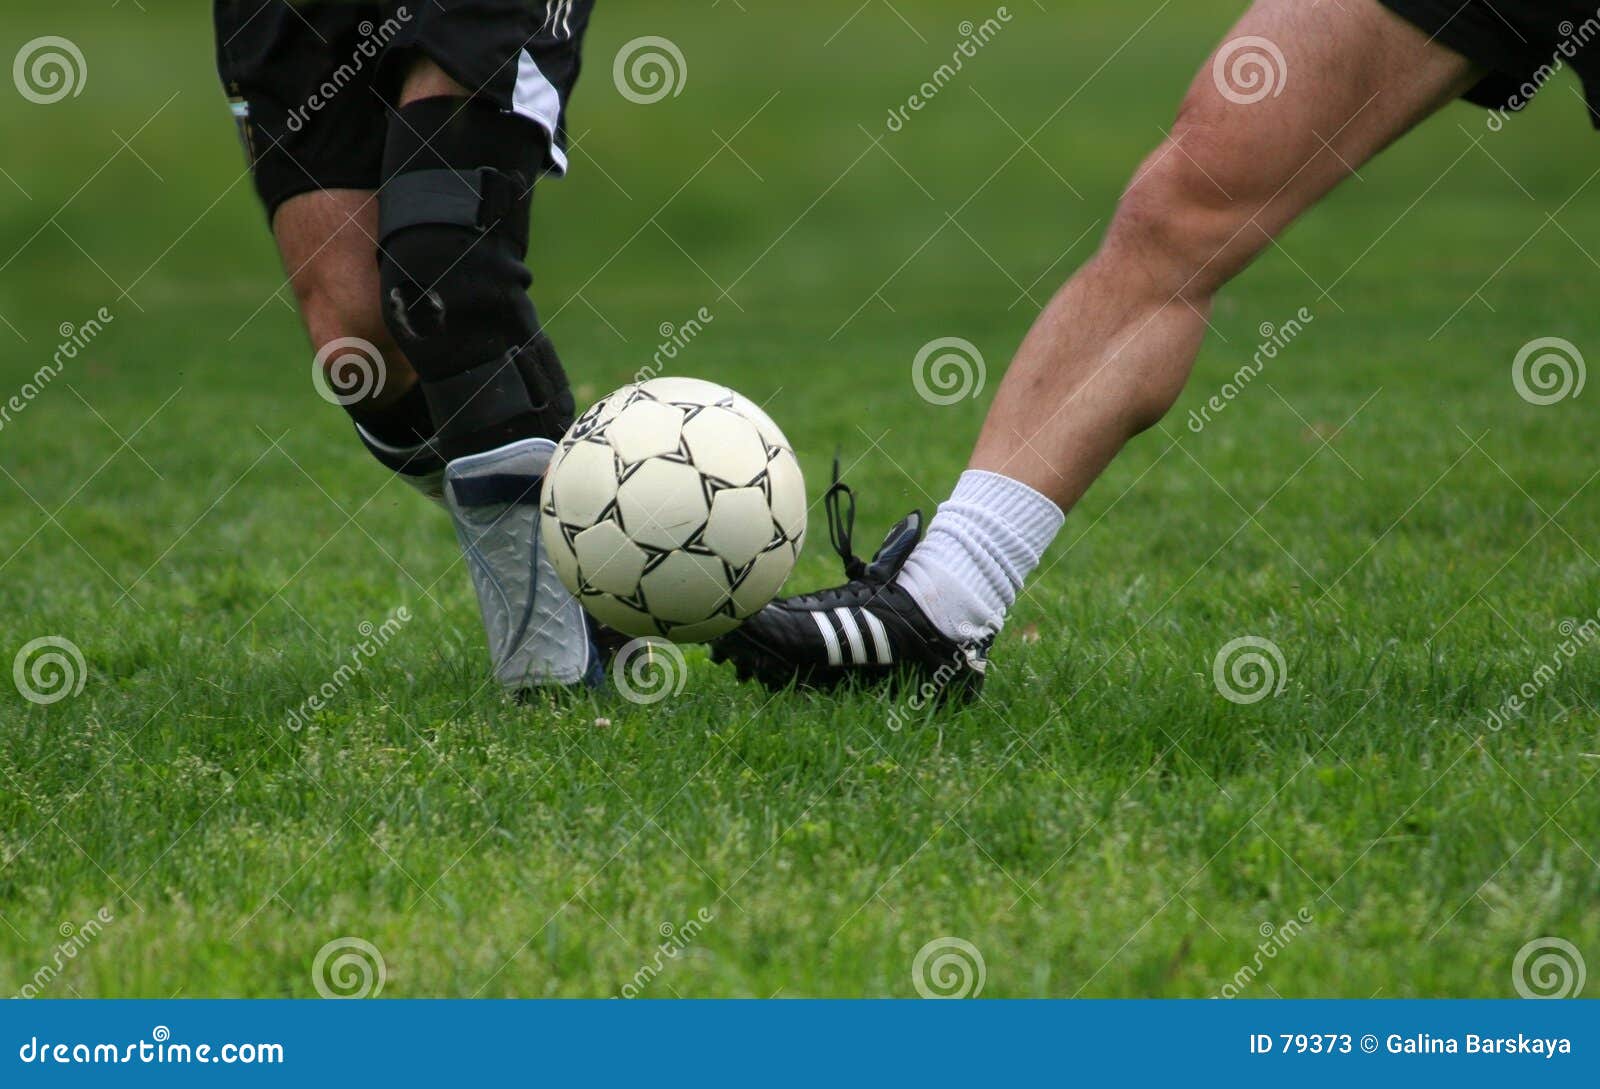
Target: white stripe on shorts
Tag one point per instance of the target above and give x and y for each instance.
(537, 99)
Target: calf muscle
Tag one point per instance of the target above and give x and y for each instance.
(1111, 352)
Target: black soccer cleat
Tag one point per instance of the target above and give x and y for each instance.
(868, 631)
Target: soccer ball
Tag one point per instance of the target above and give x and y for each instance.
(674, 507)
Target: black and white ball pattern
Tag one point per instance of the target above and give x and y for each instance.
(674, 508)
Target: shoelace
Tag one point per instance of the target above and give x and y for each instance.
(842, 523)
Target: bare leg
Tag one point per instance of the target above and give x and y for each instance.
(327, 239)
(329, 243)
(1111, 352)
(1336, 84)
(1109, 355)
(427, 80)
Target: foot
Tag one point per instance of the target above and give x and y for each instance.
(867, 631)
(538, 634)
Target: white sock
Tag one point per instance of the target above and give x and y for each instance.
(984, 541)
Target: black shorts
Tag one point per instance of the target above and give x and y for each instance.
(1522, 44)
(312, 84)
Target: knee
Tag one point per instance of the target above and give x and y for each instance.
(454, 213)
(448, 289)
(332, 312)
(329, 318)
(1178, 225)
(358, 359)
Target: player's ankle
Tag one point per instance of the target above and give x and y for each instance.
(401, 422)
(495, 405)
(985, 540)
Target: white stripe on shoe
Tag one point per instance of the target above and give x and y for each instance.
(847, 624)
(880, 638)
(830, 637)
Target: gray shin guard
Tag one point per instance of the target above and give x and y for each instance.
(538, 634)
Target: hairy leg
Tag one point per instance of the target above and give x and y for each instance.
(1110, 354)
(327, 240)
(329, 243)
(1112, 351)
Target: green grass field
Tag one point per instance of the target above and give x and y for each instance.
(1379, 503)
